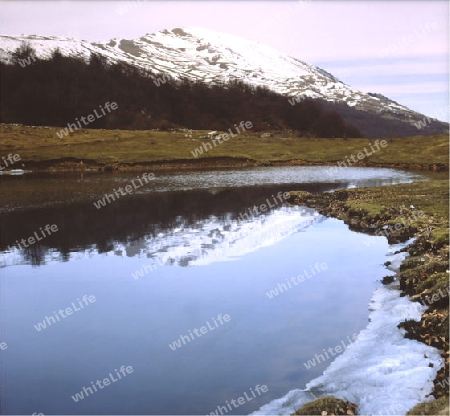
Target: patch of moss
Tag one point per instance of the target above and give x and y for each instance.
(365, 208)
(435, 284)
(435, 407)
(330, 405)
(440, 237)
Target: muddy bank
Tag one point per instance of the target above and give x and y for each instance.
(423, 276)
(75, 165)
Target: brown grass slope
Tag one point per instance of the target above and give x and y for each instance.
(40, 146)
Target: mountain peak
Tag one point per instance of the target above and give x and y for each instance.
(211, 57)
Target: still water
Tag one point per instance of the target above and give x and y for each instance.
(197, 302)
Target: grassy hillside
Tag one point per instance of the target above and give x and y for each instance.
(40, 144)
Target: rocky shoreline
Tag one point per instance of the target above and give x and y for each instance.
(423, 276)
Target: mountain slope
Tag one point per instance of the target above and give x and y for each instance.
(215, 58)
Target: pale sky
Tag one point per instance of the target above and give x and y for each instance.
(399, 49)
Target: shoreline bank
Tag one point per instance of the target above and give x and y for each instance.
(424, 272)
(75, 165)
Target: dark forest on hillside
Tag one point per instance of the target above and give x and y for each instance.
(57, 90)
(54, 92)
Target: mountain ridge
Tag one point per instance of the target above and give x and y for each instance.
(215, 58)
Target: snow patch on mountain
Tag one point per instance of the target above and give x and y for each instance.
(212, 57)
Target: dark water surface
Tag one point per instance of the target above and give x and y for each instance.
(165, 261)
(49, 189)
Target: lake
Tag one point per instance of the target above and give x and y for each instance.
(171, 297)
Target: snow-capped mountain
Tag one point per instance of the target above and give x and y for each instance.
(213, 57)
